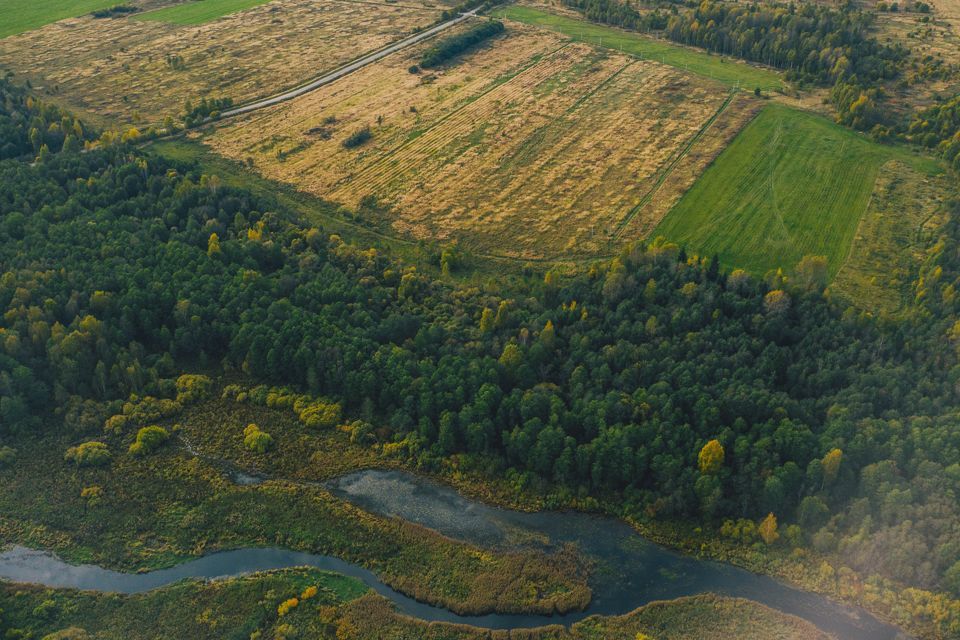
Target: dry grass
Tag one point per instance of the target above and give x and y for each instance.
(533, 147)
(117, 70)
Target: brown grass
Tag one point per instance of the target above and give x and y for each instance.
(533, 147)
(115, 70)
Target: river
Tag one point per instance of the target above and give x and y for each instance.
(629, 571)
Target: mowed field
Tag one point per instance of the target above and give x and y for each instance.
(791, 184)
(533, 147)
(130, 70)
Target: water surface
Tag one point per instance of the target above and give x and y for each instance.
(629, 571)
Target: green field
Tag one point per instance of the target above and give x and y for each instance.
(791, 184)
(724, 70)
(19, 16)
(199, 11)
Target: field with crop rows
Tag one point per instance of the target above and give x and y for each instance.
(791, 184)
(132, 70)
(532, 147)
(725, 70)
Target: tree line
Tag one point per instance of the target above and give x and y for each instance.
(451, 47)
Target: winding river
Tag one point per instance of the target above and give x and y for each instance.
(629, 571)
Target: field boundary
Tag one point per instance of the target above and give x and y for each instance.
(665, 172)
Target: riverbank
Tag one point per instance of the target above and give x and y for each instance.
(319, 456)
(341, 608)
(158, 511)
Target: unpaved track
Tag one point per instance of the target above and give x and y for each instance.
(348, 68)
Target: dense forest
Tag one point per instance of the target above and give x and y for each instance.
(690, 391)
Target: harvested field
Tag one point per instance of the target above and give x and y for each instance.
(531, 147)
(128, 70)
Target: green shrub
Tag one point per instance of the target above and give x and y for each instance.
(193, 388)
(256, 440)
(149, 439)
(89, 454)
(358, 137)
(321, 415)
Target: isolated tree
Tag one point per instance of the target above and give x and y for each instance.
(768, 529)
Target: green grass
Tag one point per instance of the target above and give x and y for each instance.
(191, 609)
(20, 16)
(701, 63)
(791, 184)
(199, 11)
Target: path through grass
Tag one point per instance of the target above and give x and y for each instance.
(701, 63)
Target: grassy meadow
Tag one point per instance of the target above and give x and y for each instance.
(725, 70)
(791, 184)
(199, 11)
(19, 16)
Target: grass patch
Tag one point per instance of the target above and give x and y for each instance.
(193, 609)
(199, 11)
(701, 63)
(19, 16)
(244, 608)
(906, 208)
(791, 184)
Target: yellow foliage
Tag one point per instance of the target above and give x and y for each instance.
(768, 529)
(711, 457)
(308, 593)
(831, 465)
(286, 606)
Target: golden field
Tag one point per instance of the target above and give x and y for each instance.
(131, 70)
(532, 147)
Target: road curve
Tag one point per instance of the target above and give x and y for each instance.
(347, 68)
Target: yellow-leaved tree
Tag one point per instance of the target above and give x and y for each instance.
(711, 457)
(768, 529)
